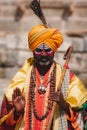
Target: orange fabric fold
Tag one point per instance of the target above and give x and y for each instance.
(10, 121)
(40, 34)
(73, 119)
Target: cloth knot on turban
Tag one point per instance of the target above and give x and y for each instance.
(40, 34)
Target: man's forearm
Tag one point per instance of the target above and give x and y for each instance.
(65, 106)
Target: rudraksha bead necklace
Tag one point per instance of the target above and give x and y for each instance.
(42, 81)
(32, 94)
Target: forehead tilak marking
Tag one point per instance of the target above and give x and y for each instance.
(43, 46)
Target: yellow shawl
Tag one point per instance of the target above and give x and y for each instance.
(76, 95)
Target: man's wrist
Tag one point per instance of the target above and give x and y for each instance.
(65, 106)
(17, 114)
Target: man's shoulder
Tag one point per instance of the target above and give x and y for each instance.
(29, 62)
(58, 64)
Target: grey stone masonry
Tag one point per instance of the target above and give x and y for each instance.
(3, 86)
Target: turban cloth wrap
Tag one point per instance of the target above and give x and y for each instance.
(40, 34)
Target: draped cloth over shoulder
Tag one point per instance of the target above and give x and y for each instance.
(21, 80)
(40, 34)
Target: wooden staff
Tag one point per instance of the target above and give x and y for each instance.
(67, 57)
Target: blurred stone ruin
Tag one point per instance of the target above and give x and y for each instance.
(16, 19)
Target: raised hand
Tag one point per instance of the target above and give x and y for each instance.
(18, 101)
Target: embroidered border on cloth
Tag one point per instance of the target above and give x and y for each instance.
(62, 121)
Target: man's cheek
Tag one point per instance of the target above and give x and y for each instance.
(36, 55)
(51, 54)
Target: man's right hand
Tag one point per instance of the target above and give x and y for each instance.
(18, 101)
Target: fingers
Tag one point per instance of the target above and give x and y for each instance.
(19, 100)
(19, 103)
(56, 93)
(56, 96)
(16, 93)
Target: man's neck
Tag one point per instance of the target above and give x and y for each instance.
(43, 69)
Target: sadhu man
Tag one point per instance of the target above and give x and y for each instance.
(27, 103)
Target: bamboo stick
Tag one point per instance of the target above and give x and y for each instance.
(67, 57)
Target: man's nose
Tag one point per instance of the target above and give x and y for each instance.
(43, 53)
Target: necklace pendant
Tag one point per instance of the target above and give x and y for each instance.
(42, 89)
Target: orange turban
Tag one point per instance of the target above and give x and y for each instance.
(40, 34)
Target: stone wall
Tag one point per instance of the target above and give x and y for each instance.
(69, 16)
